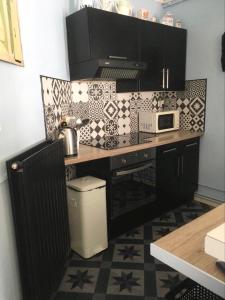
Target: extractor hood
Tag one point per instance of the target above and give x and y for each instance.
(112, 68)
(103, 45)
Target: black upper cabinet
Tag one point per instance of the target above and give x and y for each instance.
(98, 34)
(112, 34)
(164, 49)
(151, 36)
(174, 57)
(94, 33)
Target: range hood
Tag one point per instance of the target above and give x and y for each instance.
(103, 45)
(112, 68)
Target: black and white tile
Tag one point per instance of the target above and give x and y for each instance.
(79, 91)
(111, 127)
(126, 270)
(110, 110)
(55, 93)
(97, 129)
(124, 126)
(85, 133)
(123, 108)
(97, 100)
(96, 110)
(192, 105)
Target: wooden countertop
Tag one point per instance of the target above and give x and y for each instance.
(87, 153)
(183, 250)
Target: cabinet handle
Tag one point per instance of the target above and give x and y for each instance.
(163, 81)
(170, 150)
(182, 165)
(178, 167)
(191, 145)
(117, 57)
(167, 78)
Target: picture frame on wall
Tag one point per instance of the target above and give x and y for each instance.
(10, 41)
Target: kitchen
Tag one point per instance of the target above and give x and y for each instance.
(22, 101)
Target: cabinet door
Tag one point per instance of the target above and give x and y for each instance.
(113, 35)
(189, 165)
(175, 57)
(167, 170)
(151, 36)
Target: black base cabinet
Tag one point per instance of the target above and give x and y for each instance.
(177, 173)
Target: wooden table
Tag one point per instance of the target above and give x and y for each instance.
(183, 250)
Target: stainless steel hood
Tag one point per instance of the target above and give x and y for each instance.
(112, 68)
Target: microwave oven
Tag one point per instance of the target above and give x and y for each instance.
(156, 122)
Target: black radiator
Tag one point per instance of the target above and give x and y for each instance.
(38, 195)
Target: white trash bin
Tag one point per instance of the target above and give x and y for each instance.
(87, 215)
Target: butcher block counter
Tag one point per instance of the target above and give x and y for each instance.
(88, 153)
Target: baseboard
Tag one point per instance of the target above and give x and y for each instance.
(206, 200)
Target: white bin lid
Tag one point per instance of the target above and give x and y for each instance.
(86, 183)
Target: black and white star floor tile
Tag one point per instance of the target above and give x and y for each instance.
(126, 270)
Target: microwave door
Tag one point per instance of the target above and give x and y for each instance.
(165, 122)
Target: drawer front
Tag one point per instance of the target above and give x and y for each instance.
(132, 158)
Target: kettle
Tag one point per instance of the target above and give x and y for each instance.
(69, 136)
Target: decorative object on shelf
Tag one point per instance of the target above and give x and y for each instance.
(107, 5)
(123, 7)
(83, 3)
(168, 19)
(178, 24)
(10, 43)
(153, 19)
(166, 3)
(144, 14)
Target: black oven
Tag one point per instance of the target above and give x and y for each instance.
(131, 196)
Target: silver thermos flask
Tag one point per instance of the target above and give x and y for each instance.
(70, 139)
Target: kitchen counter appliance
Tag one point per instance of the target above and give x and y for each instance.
(130, 182)
(157, 122)
(119, 141)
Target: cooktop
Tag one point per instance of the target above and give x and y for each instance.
(119, 141)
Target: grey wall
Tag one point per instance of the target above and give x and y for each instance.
(42, 25)
(205, 22)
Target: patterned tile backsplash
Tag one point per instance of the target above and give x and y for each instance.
(117, 114)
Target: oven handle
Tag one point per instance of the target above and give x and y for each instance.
(131, 171)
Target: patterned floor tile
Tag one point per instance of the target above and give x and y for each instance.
(126, 282)
(136, 233)
(128, 253)
(165, 218)
(80, 280)
(126, 270)
(159, 231)
(166, 281)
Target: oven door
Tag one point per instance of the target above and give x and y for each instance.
(132, 188)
